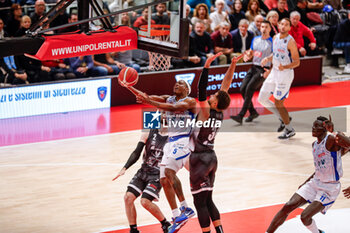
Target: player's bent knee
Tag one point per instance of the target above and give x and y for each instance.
(305, 218)
(129, 198)
(145, 202)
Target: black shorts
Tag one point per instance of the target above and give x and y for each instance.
(203, 166)
(146, 184)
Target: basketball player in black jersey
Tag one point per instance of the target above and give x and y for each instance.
(146, 180)
(203, 161)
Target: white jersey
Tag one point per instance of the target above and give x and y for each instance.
(179, 122)
(281, 54)
(328, 164)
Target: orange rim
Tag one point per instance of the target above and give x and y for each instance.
(157, 29)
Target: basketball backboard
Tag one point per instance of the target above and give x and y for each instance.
(167, 38)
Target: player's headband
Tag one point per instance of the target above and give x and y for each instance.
(189, 87)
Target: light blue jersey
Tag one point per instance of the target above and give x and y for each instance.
(261, 48)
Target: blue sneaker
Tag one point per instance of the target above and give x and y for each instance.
(187, 211)
(321, 231)
(178, 222)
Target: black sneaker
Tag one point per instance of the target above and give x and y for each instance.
(237, 118)
(251, 117)
(134, 231)
(282, 125)
(287, 134)
(165, 227)
(321, 231)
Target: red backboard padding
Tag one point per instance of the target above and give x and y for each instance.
(81, 44)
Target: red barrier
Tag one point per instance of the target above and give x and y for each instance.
(81, 44)
(159, 83)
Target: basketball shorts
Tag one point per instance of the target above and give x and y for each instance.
(278, 83)
(316, 190)
(203, 166)
(176, 154)
(146, 184)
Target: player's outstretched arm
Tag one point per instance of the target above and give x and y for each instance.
(135, 155)
(159, 98)
(347, 192)
(203, 115)
(187, 104)
(226, 82)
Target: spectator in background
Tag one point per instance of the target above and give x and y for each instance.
(188, 11)
(25, 25)
(14, 23)
(298, 31)
(73, 17)
(35, 70)
(201, 43)
(40, 8)
(272, 17)
(161, 16)
(201, 14)
(241, 37)
(336, 4)
(271, 4)
(229, 4)
(218, 16)
(252, 10)
(281, 9)
(3, 33)
(301, 7)
(237, 15)
(254, 27)
(124, 59)
(5, 14)
(105, 62)
(143, 19)
(342, 41)
(315, 5)
(222, 42)
(59, 70)
(262, 5)
(61, 19)
(83, 66)
(11, 73)
(193, 4)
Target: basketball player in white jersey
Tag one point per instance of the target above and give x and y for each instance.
(323, 187)
(285, 57)
(179, 108)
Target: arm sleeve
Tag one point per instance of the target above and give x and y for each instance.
(202, 85)
(135, 155)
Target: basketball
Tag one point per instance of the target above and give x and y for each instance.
(128, 77)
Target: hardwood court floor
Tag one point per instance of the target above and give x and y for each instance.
(65, 185)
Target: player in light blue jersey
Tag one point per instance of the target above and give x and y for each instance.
(180, 110)
(285, 57)
(323, 187)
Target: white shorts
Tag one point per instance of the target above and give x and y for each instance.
(176, 154)
(278, 83)
(316, 190)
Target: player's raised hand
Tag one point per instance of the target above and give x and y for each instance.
(142, 98)
(121, 172)
(236, 59)
(347, 192)
(210, 59)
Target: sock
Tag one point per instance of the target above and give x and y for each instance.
(133, 228)
(289, 127)
(312, 227)
(163, 222)
(176, 212)
(219, 229)
(184, 203)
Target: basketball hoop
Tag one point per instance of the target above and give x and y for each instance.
(157, 61)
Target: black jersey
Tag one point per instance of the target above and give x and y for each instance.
(203, 137)
(153, 151)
